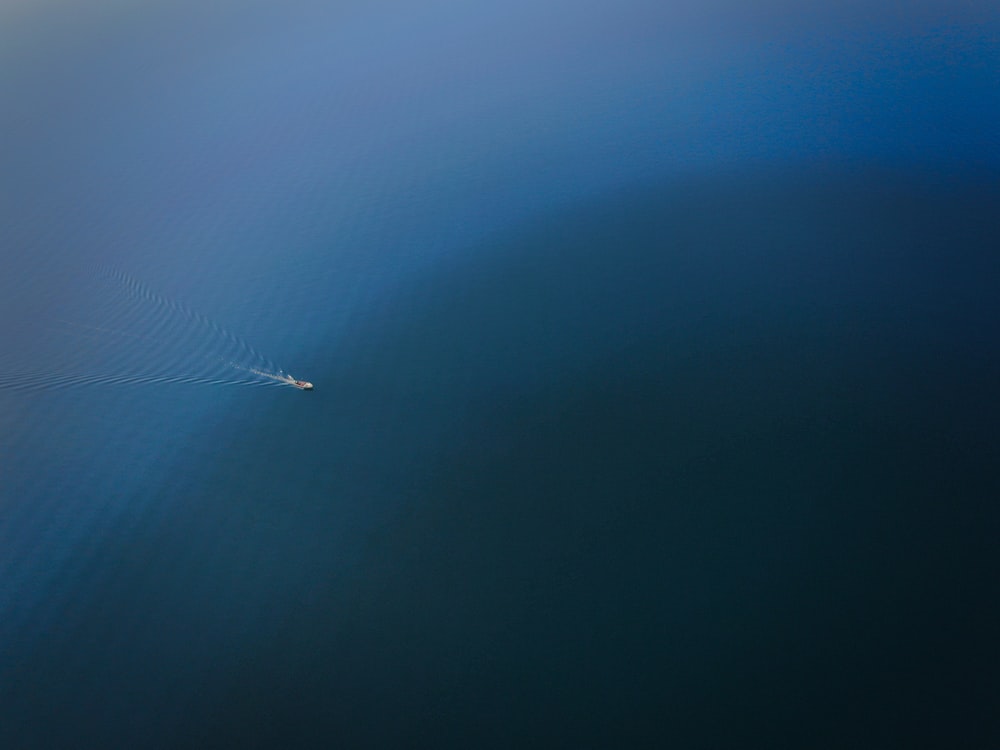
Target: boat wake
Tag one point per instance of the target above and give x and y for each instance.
(134, 336)
(281, 377)
(54, 380)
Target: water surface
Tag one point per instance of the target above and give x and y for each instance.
(655, 361)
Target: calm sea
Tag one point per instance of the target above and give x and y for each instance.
(655, 358)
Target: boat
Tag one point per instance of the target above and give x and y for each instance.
(300, 384)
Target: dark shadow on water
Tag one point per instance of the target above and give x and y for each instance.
(695, 492)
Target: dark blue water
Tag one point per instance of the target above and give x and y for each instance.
(655, 351)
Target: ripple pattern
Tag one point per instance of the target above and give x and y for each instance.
(127, 334)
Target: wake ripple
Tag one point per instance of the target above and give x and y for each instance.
(132, 335)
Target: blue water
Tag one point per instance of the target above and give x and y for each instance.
(655, 354)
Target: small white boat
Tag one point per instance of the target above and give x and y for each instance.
(300, 384)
